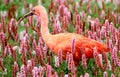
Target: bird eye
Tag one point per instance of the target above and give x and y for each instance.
(33, 10)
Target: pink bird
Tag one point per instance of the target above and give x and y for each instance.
(62, 41)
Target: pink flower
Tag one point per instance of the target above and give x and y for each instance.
(84, 63)
(103, 14)
(29, 65)
(35, 72)
(105, 74)
(112, 75)
(57, 27)
(94, 35)
(77, 19)
(41, 71)
(60, 56)
(55, 74)
(6, 50)
(2, 37)
(71, 65)
(23, 71)
(56, 61)
(48, 70)
(97, 57)
(114, 55)
(86, 75)
(14, 69)
(88, 6)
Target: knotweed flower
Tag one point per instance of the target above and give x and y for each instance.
(105, 74)
(114, 55)
(60, 56)
(65, 22)
(112, 75)
(14, 69)
(7, 51)
(81, 75)
(66, 75)
(84, 63)
(57, 27)
(55, 74)
(83, 15)
(41, 71)
(56, 61)
(97, 57)
(88, 6)
(29, 65)
(35, 72)
(109, 65)
(3, 23)
(23, 71)
(86, 75)
(12, 29)
(48, 70)
(71, 65)
(107, 28)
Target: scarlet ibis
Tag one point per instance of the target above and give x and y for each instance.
(62, 41)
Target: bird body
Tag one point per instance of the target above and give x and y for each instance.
(63, 41)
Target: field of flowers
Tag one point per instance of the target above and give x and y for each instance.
(23, 53)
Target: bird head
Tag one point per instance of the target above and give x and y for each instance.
(37, 10)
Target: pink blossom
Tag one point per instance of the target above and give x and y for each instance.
(94, 36)
(60, 56)
(2, 37)
(6, 2)
(48, 70)
(12, 29)
(57, 64)
(88, 6)
(55, 74)
(81, 75)
(92, 26)
(97, 57)
(29, 65)
(3, 23)
(109, 65)
(107, 27)
(84, 63)
(65, 22)
(112, 75)
(23, 71)
(71, 65)
(35, 72)
(86, 75)
(83, 15)
(105, 74)
(103, 14)
(6, 50)
(14, 69)
(41, 71)
(114, 55)
(57, 27)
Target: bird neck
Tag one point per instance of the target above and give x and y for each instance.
(44, 25)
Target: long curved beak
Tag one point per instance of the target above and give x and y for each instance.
(26, 15)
